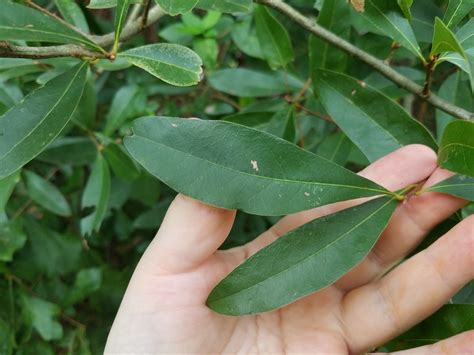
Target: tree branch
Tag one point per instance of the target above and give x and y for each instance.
(367, 58)
(70, 50)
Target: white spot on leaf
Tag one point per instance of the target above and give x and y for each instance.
(254, 164)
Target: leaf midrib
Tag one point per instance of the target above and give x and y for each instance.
(309, 256)
(125, 54)
(265, 177)
(47, 114)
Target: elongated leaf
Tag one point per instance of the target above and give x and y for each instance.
(444, 40)
(72, 13)
(251, 119)
(456, 11)
(122, 165)
(335, 17)
(172, 63)
(96, 194)
(69, 150)
(310, 258)
(176, 7)
(19, 22)
(273, 38)
(249, 170)
(225, 5)
(46, 194)
(450, 320)
(12, 238)
(374, 122)
(456, 151)
(458, 185)
(28, 128)
(335, 147)
(252, 83)
(387, 19)
(405, 6)
(106, 4)
(43, 316)
(282, 124)
(120, 15)
(7, 184)
(245, 38)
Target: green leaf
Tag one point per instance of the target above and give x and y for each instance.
(310, 258)
(172, 63)
(230, 6)
(19, 22)
(405, 6)
(69, 150)
(46, 194)
(450, 320)
(96, 194)
(458, 185)
(456, 11)
(122, 165)
(42, 315)
(335, 17)
(245, 38)
(121, 107)
(273, 38)
(176, 7)
(335, 147)
(456, 151)
(106, 4)
(456, 91)
(86, 282)
(252, 83)
(12, 238)
(444, 40)
(386, 18)
(120, 15)
(264, 175)
(251, 119)
(375, 123)
(282, 124)
(29, 127)
(7, 185)
(72, 13)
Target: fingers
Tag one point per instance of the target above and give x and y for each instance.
(409, 225)
(382, 310)
(190, 233)
(407, 165)
(460, 344)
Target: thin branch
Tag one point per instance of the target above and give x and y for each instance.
(70, 50)
(374, 62)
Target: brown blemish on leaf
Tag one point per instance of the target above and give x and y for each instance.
(353, 92)
(359, 5)
(254, 164)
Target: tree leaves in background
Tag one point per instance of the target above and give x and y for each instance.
(334, 16)
(46, 194)
(45, 112)
(456, 151)
(456, 91)
(12, 238)
(450, 320)
(7, 184)
(386, 18)
(310, 258)
(120, 163)
(264, 175)
(72, 13)
(172, 63)
(176, 7)
(405, 6)
(230, 6)
(252, 83)
(282, 124)
(19, 22)
(274, 40)
(458, 185)
(120, 15)
(361, 112)
(43, 317)
(96, 195)
(456, 11)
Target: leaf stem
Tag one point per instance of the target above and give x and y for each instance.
(377, 64)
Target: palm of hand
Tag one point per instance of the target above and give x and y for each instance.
(164, 308)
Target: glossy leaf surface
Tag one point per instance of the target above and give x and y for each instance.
(303, 261)
(362, 112)
(456, 152)
(458, 185)
(172, 63)
(45, 112)
(249, 170)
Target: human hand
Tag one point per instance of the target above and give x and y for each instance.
(164, 309)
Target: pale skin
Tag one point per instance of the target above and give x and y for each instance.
(164, 309)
